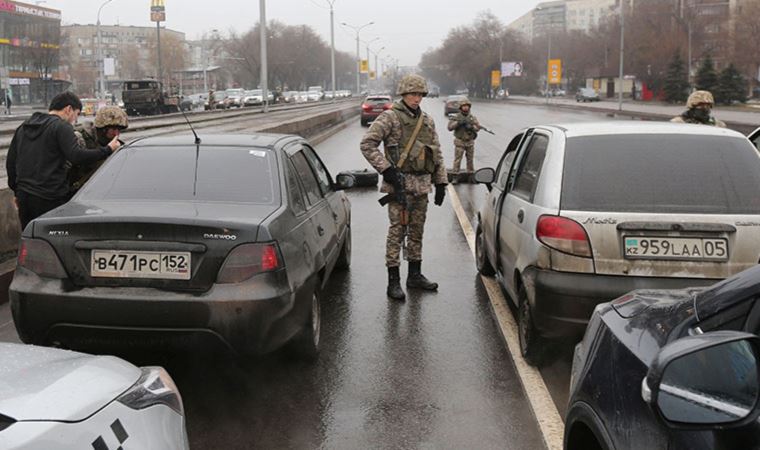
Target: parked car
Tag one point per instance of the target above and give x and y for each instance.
(587, 95)
(186, 104)
(580, 214)
(234, 246)
(316, 92)
(234, 98)
(502, 94)
(253, 98)
(452, 104)
(558, 92)
(52, 398)
(680, 364)
(373, 106)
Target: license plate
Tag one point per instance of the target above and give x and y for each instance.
(700, 249)
(140, 264)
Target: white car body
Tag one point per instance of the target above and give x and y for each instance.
(55, 399)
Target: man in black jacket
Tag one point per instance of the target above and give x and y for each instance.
(36, 161)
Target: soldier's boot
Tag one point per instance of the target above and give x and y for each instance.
(394, 284)
(417, 280)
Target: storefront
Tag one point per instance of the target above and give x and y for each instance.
(30, 39)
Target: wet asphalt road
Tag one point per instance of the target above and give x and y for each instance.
(432, 372)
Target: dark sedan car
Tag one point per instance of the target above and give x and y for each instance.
(373, 106)
(232, 239)
(673, 369)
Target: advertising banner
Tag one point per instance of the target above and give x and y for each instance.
(511, 69)
(495, 78)
(364, 66)
(555, 71)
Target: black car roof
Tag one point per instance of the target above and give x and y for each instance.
(223, 140)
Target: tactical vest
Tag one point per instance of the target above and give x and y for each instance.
(462, 133)
(421, 158)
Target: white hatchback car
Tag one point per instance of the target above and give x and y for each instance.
(580, 214)
(58, 399)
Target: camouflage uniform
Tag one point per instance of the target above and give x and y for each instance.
(694, 115)
(92, 135)
(465, 128)
(387, 129)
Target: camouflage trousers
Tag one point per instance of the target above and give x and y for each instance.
(462, 148)
(417, 212)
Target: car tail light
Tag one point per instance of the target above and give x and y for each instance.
(563, 234)
(366, 107)
(387, 106)
(247, 260)
(39, 257)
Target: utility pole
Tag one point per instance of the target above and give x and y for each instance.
(332, 46)
(158, 15)
(101, 61)
(622, 53)
(263, 29)
(368, 67)
(358, 56)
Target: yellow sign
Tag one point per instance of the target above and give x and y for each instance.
(364, 66)
(555, 71)
(157, 11)
(495, 78)
(371, 74)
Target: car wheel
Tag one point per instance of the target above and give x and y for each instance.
(305, 344)
(481, 256)
(531, 344)
(344, 259)
(364, 122)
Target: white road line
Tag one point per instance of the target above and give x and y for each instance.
(547, 416)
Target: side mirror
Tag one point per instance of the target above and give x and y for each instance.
(485, 176)
(706, 381)
(344, 181)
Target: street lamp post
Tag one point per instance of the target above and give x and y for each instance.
(358, 57)
(101, 61)
(332, 46)
(368, 66)
(622, 53)
(263, 38)
(377, 70)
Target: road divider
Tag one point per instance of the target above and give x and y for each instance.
(545, 411)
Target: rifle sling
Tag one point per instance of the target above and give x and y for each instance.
(410, 143)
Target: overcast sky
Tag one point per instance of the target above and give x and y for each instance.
(407, 28)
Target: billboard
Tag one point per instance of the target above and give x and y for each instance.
(511, 69)
(555, 71)
(157, 11)
(495, 78)
(364, 66)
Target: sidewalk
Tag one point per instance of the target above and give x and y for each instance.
(20, 112)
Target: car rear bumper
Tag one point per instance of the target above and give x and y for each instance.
(371, 115)
(562, 303)
(253, 317)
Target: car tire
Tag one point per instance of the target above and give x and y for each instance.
(481, 256)
(305, 344)
(532, 345)
(344, 258)
(364, 122)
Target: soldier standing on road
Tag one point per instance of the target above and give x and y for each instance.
(36, 162)
(110, 121)
(698, 110)
(411, 163)
(465, 127)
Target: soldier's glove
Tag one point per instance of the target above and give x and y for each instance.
(440, 193)
(392, 176)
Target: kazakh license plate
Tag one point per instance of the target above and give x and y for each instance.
(700, 249)
(140, 264)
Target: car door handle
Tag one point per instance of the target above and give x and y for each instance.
(320, 230)
(520, 216)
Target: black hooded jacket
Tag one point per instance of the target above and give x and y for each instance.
(36, 161)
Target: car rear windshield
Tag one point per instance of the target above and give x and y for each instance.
(671, 173)
(378, 100)
(132, 85)
(212, 174)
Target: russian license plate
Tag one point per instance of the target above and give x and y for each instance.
(140, 264)
(700, 249)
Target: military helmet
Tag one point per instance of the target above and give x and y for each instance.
(111, 116)
(699, 97)
(412, 83)
(466, 101)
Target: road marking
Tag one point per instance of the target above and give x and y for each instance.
(548, 418)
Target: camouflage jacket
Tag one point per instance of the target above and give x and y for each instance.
(464, 132)
(386, 129)
(683, 118)
(79, 174)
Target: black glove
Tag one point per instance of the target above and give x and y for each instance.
(440, 193)
(391, 176)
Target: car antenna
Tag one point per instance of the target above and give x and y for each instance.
(197, 139)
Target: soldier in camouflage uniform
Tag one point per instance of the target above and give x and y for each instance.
(698, 109)
(410, 167)
(465, 127)
(110, 121)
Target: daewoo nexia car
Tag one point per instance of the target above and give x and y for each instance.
(53, 399)
(675, 369)
(231, 239)
(581, 214)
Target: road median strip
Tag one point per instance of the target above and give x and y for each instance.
(545, 411)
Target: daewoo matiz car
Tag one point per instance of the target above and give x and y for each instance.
(232, 239)
(580, 214)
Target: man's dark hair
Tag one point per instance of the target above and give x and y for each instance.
(65, 99)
